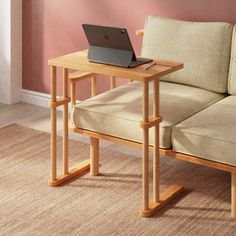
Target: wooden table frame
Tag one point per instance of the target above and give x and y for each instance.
(147, 209)
(72, 61)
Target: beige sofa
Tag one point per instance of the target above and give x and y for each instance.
(197, 104)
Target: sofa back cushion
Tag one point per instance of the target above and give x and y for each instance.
(203, 47)
(232, 68)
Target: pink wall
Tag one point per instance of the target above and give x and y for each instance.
(53, 27)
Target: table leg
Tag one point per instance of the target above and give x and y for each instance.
(145, 148)
(159, 200)
(80, 168)
(53, 124)
(65, 122)
(156, 157)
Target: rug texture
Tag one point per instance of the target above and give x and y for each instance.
(107, 204)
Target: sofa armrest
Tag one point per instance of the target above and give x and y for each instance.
(139, 32)
(80, 75)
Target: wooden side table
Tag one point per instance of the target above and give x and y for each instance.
(78, 61)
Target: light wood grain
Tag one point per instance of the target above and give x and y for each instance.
(113, 82)
(94, 156)
(65, 121)
(53, 124)
(77, 170)
(80, 75)
(79, 61)
(165, 198)
(59, 102)
(106, 137)
(145, 148)
(73, 93)
(198, 160)
(94, 86)
(233, 195)
(164, 152)
(156, 156)
(153, 121)
(139, 32)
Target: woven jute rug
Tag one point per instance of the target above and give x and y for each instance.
(107, 204)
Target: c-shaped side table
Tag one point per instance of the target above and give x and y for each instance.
(78, 61)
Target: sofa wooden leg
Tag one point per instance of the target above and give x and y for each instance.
(94, 86)
(94, 156)
(233, 195)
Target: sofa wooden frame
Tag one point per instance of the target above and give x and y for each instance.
(159, 200)
(164, 152)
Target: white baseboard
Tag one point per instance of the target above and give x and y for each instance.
(36, 98)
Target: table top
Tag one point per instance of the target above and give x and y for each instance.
(79, 61)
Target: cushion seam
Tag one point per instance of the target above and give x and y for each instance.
(107, 115)
(171, 125)
(203, 108)
(184, 132)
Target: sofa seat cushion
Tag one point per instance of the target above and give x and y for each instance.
(204, 47)
(210, 134)
(118, 112)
